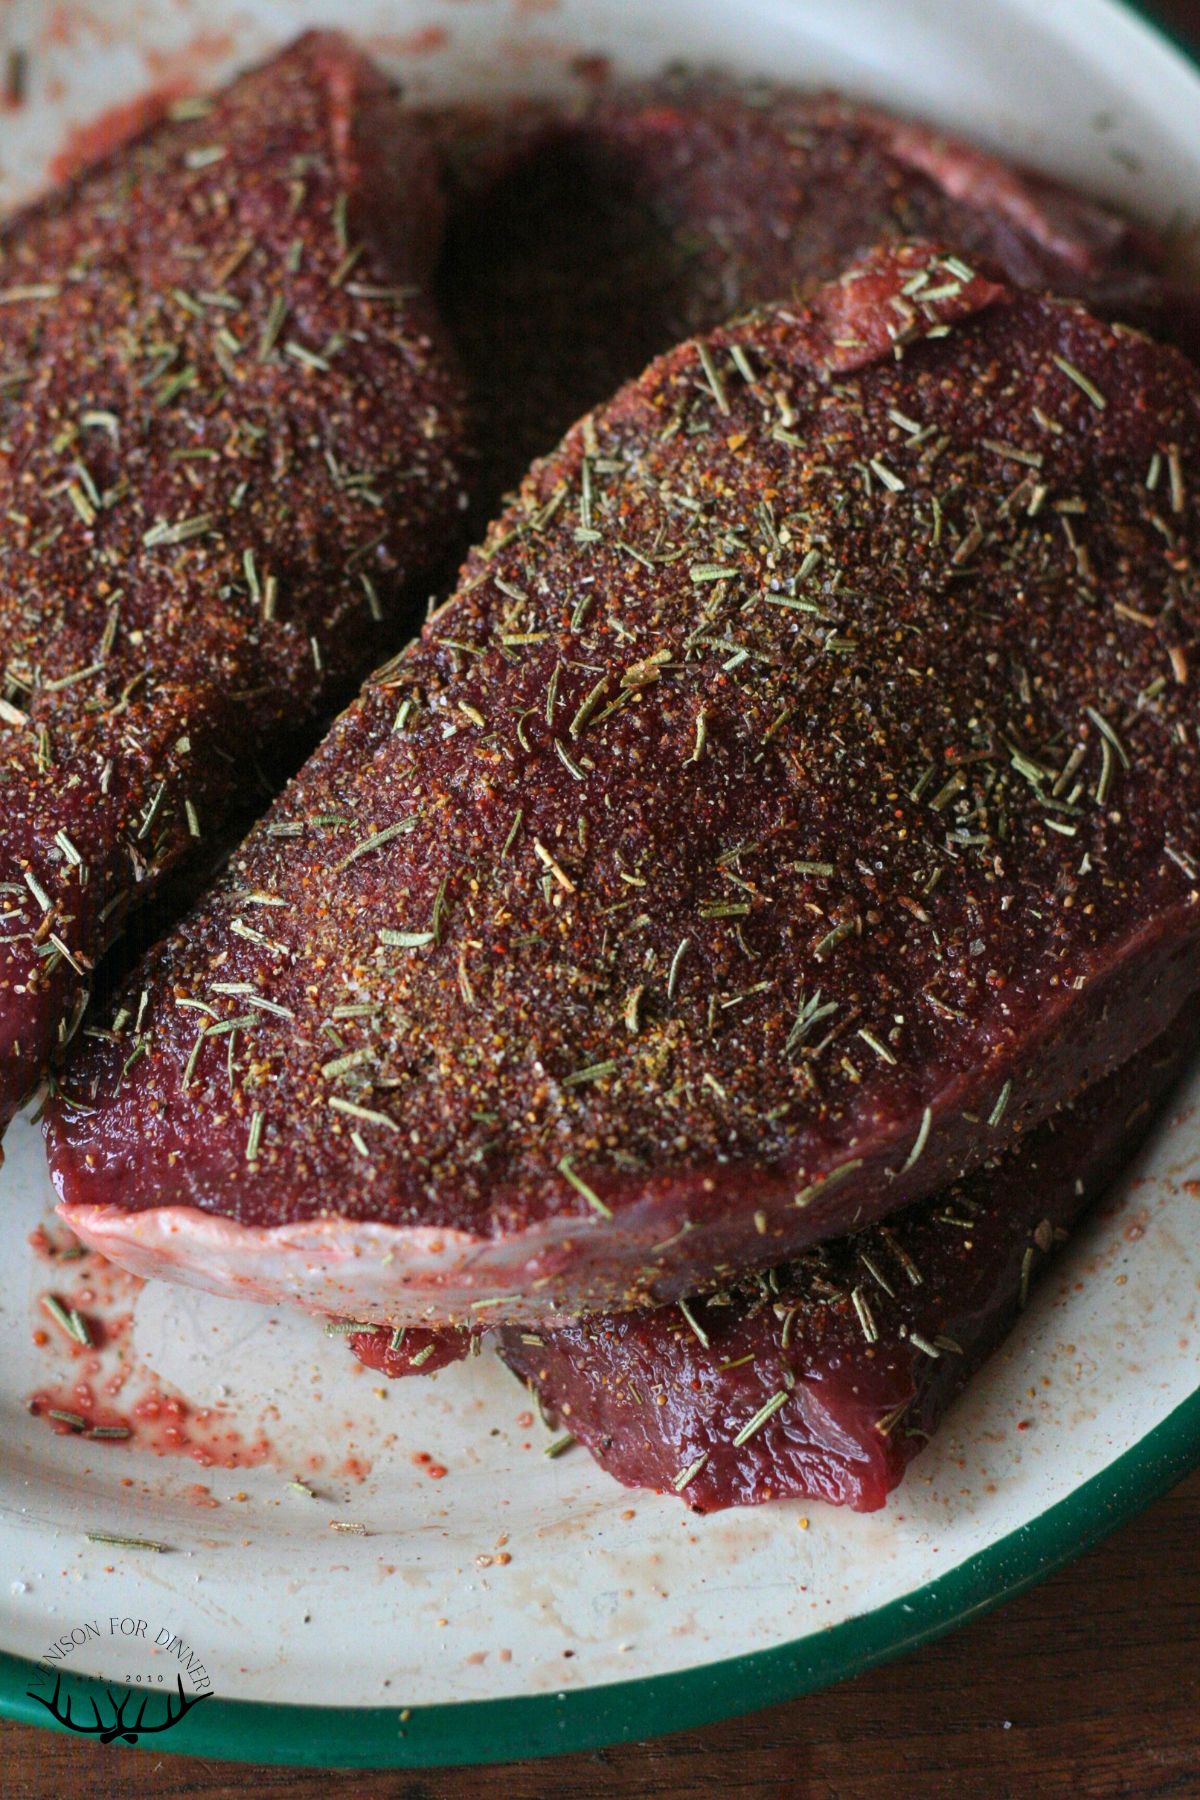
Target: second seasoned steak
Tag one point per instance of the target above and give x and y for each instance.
(229, 444)
(578, 247)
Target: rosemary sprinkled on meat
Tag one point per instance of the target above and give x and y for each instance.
(636, 1015)
(175, 568)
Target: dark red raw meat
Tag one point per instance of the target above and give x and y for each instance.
(867, 1338)
(797, 799)
(580, 246)
(229, 443)
(858, 1348)
(408, 1351)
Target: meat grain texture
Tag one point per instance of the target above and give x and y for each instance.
(580, 246)
(797, 800)
(229, 444)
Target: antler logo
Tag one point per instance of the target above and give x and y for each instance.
(118, 1726)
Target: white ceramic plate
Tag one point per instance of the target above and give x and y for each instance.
(518, 1604)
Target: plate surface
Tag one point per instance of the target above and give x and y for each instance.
(491, 1602)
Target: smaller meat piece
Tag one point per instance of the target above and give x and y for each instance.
(409, 1351)
(826, 1378)
(229, 444)
(580, 246)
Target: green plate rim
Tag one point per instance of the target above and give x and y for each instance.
(519, 1726)
(506, 1730)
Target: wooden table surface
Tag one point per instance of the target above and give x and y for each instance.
(1087, 1688)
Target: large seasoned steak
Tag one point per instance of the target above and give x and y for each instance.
(796, 800)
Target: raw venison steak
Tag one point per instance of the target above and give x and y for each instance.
(797, 799)
(579, 246)
(824, 1379)
(859, 1346)
(228, 443)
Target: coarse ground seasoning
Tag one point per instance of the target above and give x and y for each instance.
(229, 443)
(797, 798)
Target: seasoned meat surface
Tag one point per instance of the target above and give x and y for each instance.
(825, 1378)
(797, 799)
(833, 1371)
(578, 247)
(228, 445)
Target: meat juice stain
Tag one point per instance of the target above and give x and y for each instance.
(89, 1285)
(164, 1424)
(79, 1399)
(158, 1420)
(51, 1249)
(190, 65)
(65, 23)
(170, 1425)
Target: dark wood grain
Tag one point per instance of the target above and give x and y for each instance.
(1086, 1688)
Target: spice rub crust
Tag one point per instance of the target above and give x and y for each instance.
(797, 799)
(229, 442)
